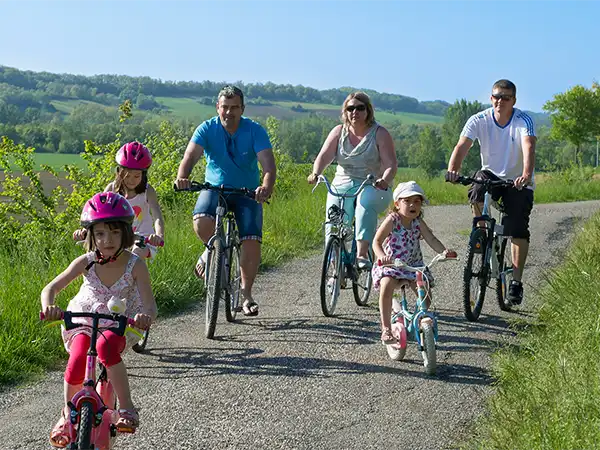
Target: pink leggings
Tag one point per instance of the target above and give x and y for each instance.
(109, 348)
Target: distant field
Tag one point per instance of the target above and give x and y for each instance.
(189, 108)
(57, 160)
(67, 106)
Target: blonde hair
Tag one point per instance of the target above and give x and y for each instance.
(361, 97)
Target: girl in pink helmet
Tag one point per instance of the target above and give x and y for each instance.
(109, 270)
(131, 181)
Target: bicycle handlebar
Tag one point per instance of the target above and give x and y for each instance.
(486, 183)
(370, 179)
(196, 187)
(446, 256)
(68, 316)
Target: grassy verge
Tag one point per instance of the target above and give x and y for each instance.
(28, 348)
(548, 388)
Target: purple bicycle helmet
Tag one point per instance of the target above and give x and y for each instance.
(134, 155)
(106, 207)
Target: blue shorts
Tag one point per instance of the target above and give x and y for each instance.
(248, 213)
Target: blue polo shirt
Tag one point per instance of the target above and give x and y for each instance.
(231, 159)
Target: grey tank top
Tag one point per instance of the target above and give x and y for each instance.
(357, 162)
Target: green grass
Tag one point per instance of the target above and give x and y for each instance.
(67, 106)
(55, 160)
(569, 186)
(190, 109)
(548, 385)
(382, 116)
(187, 108)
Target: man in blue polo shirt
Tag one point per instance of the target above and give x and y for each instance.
(232, 145)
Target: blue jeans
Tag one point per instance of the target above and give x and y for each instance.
(367, 206)
(248, 212)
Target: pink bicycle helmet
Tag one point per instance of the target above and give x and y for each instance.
(106, 207)
(134, 155)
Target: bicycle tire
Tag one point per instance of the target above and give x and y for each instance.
(232, 294)
(140, 346)
(213, 288)
(397, 351)
(429, 351)
(84, 430)
(330, 283)
(473, 300)
(362, 290)
(505, 268)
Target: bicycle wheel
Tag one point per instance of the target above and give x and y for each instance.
(140, 346)
(428, 352)
(232, 293)
(330, 276)
(84, 430)
(397, 351)
(361, 287)
(475, 276)
(213, 288)
(505, 267)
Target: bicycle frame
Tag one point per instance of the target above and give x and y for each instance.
(99, 392)
(339, 227)
(413, 319)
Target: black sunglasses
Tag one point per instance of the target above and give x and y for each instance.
(504, 97)
(351, 108)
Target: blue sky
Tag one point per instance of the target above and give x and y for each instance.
(425, 49)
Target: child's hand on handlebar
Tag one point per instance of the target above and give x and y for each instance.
(142, 321)
(52, 312)
(79, 235)
(155, 239)
(386, 260)
(450, 254)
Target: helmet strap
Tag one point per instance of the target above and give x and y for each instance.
(100, 259)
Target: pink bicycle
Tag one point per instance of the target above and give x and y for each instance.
(93, 410)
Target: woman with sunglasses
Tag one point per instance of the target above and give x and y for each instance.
(360, 146)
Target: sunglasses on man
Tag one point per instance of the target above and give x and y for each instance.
(351, 108)
(505, 97)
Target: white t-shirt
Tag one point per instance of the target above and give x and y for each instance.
(501, 147)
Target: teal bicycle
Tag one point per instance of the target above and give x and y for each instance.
(422, 322)
(339, 261)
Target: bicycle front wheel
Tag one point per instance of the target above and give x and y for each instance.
(475, 276)
(213, 288)
(331, 276)
(428, 352)
(232, 293)
(361, 286)
(84, 430)
(505, 268)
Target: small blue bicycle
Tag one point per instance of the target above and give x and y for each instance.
(339, 262)
(421, 322)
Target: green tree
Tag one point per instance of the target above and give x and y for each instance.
(427, 154)
(575, 116)
(455, 118)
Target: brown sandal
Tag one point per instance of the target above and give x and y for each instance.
(129, 420)
(59, 436)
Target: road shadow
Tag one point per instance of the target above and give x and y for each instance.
(182, 362)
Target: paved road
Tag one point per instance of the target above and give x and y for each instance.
(293, 379)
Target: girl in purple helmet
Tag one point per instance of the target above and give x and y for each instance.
(108, 270)
(131, 181)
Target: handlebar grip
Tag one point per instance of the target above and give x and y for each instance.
(43, 316)
(147, 241)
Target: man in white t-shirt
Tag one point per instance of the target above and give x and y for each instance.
(507, 139)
